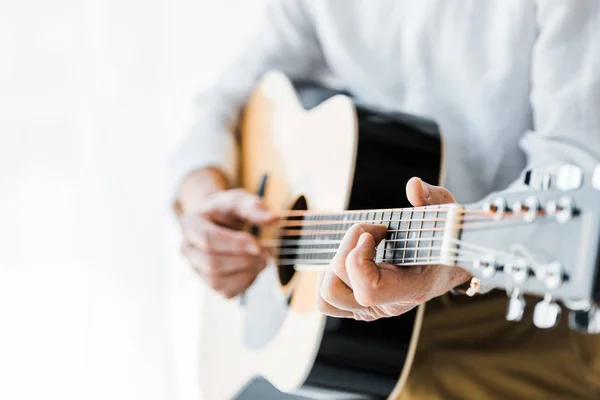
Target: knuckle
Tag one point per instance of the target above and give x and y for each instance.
(237, 194)
(210, 260)
(322, 305)
(251, 200)
(210, 265)
(327, 291)
(213, 282)
(338, 267)
(186, 219)
(366, 297)
(206, 239)
(447, 196)
(184, 249)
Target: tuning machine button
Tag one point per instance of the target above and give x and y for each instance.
(546, 182)
(585, 321)
(551, 207)
(486, 265)
(498, 207)
(532, 208)
(596, 177)
(516, 306)
(518, 207)
(546, 313)
(569, 177)
(518, 270)
(565, 209)
(552, 275)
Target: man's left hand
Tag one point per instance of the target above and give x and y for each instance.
(354, 286)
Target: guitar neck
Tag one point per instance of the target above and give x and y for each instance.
(415, 236)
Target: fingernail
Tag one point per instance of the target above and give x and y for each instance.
(253, 249)
(426, 189)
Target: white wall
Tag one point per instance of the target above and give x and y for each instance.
(94, 96)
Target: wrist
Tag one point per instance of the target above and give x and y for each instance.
(198, 185)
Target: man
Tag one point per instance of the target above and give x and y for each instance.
(512, 84)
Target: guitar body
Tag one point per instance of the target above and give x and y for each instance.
(326, 156)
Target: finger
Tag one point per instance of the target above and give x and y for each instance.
(338, 263)
(380, 284)
(326, 308)
(212, 238)
(233, 205)
(221, 265)
(335, 292)
(420, 193)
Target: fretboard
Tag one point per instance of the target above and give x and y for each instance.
(414, 235)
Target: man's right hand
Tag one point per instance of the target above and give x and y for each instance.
(226, 257)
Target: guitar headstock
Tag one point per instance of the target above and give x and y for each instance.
(543, 242)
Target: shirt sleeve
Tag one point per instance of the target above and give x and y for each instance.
(565, 91)
(286, 40)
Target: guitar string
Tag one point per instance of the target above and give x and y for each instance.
(462, 252)
(415, 249)
(288, 251)
(393, 261)
(435, 208)
(306, 266)
(292, 242)
(299, 241)
(300, 224)
(462, 246)
(469, 224)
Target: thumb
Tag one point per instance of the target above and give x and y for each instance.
(420, 193)
(373, 284)
(362, 270)
(232, 206)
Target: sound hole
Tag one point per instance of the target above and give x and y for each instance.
(286, 272)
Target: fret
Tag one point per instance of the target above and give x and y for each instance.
(394, 225)
(312, 237)
(387, 216)
(426, 240)
(418, 234)
(405, 233)
(336, 226)
(362, 216)
(433, 225)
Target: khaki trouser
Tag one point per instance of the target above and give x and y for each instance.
(469, 351)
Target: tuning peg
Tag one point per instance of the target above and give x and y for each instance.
(487, 265)
(569, 177)
(532, 207)
(546, 313)
(499, 207)
(518, 270)
(585, 321)
(596, 177)
(551, 275)
(516, 306)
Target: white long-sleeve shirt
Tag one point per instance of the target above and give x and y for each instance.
(510, 82)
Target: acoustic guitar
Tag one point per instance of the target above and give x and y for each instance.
(325, 163)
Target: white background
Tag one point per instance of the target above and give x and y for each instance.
(94, 97)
